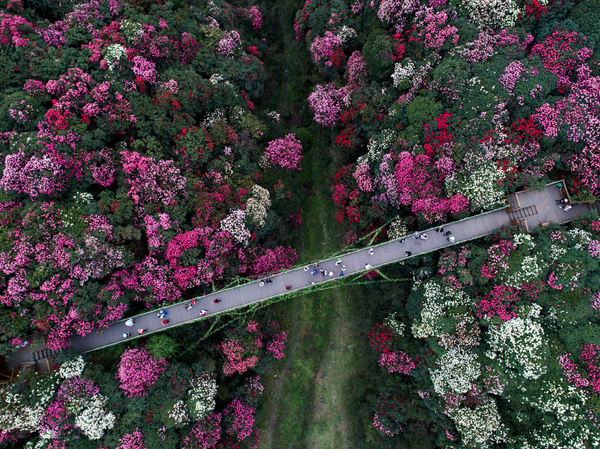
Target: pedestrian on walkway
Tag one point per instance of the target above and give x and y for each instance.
(330, 273)
(440, 229)
(567, 207)
(407, 254)
(416, 235)
(403, 240)
(262, 283)
(164, 322)
(343, 267)
(323, 272)
(314, 272)
(162, 313)
(140, 331)
(371, 251)
(316, 265)
(193, 301)
(268, 280)
(129, 322)
(561, 201)
(424, 237)
(338, 262)
(368, 266)
(216, 301)
(451, 239)
(188, 306)
(308, 283)
(341, 273)
(126, 334)
(288, 287)
(447, 233)
(306, 268)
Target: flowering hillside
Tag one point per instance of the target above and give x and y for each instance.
(440, 109)
(154, 151)
(444, 107)
(131, 152)
(150, 402)
(509, 336)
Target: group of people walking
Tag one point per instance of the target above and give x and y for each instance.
(564, 201)
(324, 273)
(268, 281)
(162, 315)
(423, 236)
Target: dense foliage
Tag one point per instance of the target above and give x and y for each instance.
(503, 345)
(137, 170)
(138, 400)
(441, 107)
(131, 161)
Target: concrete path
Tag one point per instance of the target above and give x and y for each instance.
(386, 253)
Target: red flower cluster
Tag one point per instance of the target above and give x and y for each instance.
(381, 338)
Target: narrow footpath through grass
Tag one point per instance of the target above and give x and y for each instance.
(304, 404)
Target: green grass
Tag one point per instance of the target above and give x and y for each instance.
(311, 407)
(297, 396)
(308, 407)
(293, 419)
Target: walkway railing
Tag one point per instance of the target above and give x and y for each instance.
(235, 299)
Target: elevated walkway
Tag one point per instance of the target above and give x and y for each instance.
(534, 208)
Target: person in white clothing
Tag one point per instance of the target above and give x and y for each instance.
(129, 322)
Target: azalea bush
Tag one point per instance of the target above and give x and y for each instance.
(147, 403)
(512, 322)
(252, 347)
(137, 371)
(129, 139)
(455, 105)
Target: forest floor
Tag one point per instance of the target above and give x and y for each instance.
(304, 404)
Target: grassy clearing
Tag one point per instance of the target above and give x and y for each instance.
(296, 402)
(307, 407)
(329, 426)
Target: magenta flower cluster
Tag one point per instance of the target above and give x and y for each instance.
(285, 152)
(327, 103)
(240, 419)
(133, 440)
(137, 371)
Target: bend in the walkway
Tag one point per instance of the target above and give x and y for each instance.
(358, 261)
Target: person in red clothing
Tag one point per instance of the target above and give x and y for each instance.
(165, 321)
